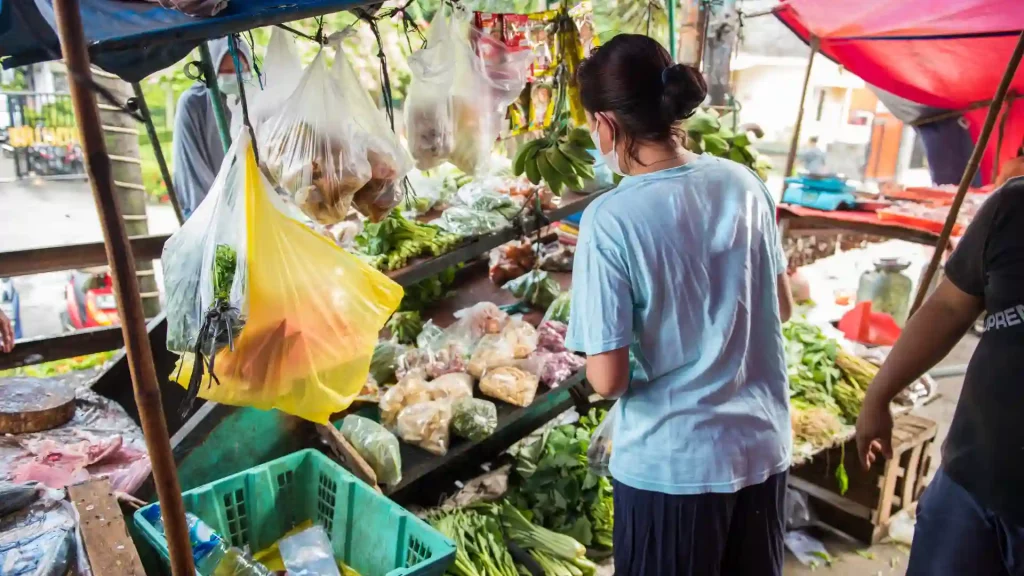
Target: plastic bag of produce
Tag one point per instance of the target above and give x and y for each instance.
(411, 389)
(466, 221)
(492, 351)
(483, 195)
(452, 386)
(510, 261)
(599, 454)
(483, 89)
(473, 323)
(559, 309)
(509, 383)
(429, 125)
(312, 311)
(474, 419)
(389, 161)
(281, 72)
(551, 336)
(557, 257)
(426, 425)
(521, 336)
(434, 362)
(557, 367)
(537, 288)
(376, 445)
(385, 358)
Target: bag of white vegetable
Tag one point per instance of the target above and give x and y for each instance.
(426, 425)
(414, 388)
(515, 383)
(429, 125)
(599, 454)
(492, 351)
(521, 336)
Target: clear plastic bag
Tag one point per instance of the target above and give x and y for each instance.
(465, 221)
(510, 383)
(376, 445)
(388, 159)
(411, 389)
(384, 359)
(492, 351)
(521, 336)
(312, 311)
(475, 322)
(537, 288)
(483, 89)
(559, 309)
(280, 75)
(474, 418)
(599, 454)
(429, 125)
(309, 553)
(426, 425)
(434, 362)
(313, 148)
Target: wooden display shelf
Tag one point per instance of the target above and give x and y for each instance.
(874, 495)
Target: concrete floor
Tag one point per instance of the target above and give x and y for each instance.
(853, 559)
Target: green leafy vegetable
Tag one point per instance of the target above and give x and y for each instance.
(392, 242)
(225, 262)
(474, 418)
(841, 476)
(405, 326)
(537, 288)
(429, 290)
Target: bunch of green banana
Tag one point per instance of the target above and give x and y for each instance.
(706, 132)
(561, 161)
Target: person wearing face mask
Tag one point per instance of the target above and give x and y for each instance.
(197, 152)
(682, 265)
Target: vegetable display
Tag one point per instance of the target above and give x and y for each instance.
(392, 242)
(405, 326)
(480, 547)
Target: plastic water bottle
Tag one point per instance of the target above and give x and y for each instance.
(210, 553)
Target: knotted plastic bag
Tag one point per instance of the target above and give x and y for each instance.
(312, 312)
(599, 454)
(281, 73)
(313, 147)
(429, 125)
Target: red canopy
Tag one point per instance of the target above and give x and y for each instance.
(942, 53)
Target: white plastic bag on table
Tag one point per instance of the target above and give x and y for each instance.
(429, 125)
(309, 553)
(280, 75)
(388, 160)
(313, 147)
(208, 241)
(599, 454)
(488, 77)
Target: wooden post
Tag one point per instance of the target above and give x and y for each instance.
(969, 172)
(129, 303)
(154, 141)
(791, 157)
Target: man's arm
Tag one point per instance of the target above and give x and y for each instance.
(7, 333)
(927, 338)
(608, 373)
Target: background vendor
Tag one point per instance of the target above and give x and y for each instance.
(198, 150)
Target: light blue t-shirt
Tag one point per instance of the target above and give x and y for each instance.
(681, 265)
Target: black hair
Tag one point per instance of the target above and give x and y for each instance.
(633, 76)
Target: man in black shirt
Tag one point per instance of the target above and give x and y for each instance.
(971, 517)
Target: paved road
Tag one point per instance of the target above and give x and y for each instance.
(36, 214)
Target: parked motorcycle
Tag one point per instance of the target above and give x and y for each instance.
(90, 301)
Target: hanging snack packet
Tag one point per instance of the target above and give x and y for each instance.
(429, 125)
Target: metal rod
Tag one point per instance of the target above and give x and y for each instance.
(672, 29)
(154, 141)
(129, 303)
(210, 79)
(791, 157)
(233, 47)
(969, 172)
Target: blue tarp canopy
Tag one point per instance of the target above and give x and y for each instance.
(134, 38)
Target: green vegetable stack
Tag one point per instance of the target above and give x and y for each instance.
(561, 159)
(557, 487)
(428, 291)
(706, 132)
(481, 549)
(391, 243)
(405, 326)
(225, 262)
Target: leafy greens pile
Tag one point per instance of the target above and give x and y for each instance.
(557, 488)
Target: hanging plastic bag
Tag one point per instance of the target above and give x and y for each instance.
(280, 75)
(376, 445)
(429, 125)
(312, 312)
(599, 454)
(313, 148)
(483, 89)
(388, 160)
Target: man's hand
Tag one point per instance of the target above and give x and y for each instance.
(6, 333)
(874, 432)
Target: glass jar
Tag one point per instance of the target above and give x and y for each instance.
(887, 288)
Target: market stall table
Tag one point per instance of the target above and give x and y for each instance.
(793, 217)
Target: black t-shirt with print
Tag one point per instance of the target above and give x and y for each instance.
(984, 451)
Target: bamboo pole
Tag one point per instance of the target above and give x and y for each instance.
(122, 266)
(969, 172)
(216, 100)
(795, 142)
(154, 141)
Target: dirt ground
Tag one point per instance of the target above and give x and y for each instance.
(853, 559)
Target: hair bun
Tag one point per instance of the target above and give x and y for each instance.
(683, 90)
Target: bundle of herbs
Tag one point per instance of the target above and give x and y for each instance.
(392, 242)
(557, 487)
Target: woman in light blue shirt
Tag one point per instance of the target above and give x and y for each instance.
(682, 265)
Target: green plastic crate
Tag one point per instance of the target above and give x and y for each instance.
(370, 533)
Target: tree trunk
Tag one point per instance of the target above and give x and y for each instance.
(122, 137)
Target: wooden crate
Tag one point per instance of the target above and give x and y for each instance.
(874, 495)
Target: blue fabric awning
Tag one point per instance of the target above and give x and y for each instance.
(134, 38)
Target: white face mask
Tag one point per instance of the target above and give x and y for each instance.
(228, 83)
(611, 159)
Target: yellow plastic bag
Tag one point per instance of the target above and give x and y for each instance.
(313, 315)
